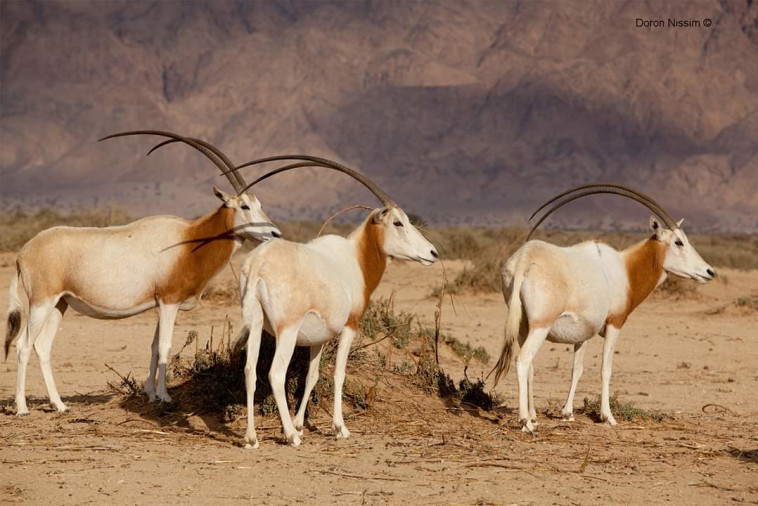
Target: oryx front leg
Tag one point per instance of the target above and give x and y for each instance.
(253, 347)
(343, 350)
(34, 325)
(285, 346)
(523, 366)
(576, 373)
(166, 321)
(310, 381)
(43, 346)
(150, 382)
(611, 334)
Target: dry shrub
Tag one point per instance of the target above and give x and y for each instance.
(747, 302)
(225, 293)
(212, 380)
(622, 411)
(677, 288)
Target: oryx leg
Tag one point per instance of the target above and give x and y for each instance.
(38, 314)
(310, 381)
(524, 360)
(150, 382)
(576, 373)
(343, 350)
(285, 346)
(44, 345)
(530, 389)
(253, 313)
(166, 321)
(611, 334)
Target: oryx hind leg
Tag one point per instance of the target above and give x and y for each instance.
(43, 347)
(524, 361)
(310, 382)
(576, 373)
(285, 346)
(35, 322)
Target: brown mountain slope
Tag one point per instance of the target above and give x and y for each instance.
(465, 112)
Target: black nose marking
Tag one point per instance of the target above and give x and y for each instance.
(711, 273)
(276, 233)
(435, 254)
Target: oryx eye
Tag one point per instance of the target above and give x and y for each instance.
(398, 223)
(679, 243)
(245, 207)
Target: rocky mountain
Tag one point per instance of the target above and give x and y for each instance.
(465, 112)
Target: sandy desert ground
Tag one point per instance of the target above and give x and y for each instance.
(694, 359)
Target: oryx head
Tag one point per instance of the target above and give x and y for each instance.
(250, 222)
(680, 259)
(400, 238)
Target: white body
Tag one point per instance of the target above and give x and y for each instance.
(308, 294)
(117, 272)
(568, 295)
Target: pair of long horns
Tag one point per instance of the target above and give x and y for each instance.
(214, 154)
(235, 178)
(595, 188)
(314, 161)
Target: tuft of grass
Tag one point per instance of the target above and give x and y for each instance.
(128, 385)
(749, 302)
(466, 351)
(623, 411)
(474, 393)
(380, 322)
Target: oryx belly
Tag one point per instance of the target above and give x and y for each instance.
(572, 328)
(315, 331)
(104, 312)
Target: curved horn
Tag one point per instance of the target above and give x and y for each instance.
(615, 191)
(236, 173)
(596, 185)
(160, 145)
(318, 162)
(211, 152)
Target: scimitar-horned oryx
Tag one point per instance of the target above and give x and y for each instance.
(567, 295)
(117, 272)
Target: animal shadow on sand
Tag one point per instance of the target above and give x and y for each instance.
(750, 456)
(215, 392)
(43, 404)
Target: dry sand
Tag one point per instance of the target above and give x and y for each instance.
(673, 355)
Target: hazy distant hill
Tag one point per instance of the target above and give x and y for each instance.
(466, 112)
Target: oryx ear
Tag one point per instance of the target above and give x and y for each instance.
(222, 196)
(656, 227)
(378, 217)
(679, 223)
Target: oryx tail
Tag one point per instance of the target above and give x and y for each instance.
(512, 324)
(15, 306)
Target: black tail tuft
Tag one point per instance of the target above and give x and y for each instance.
(14, 325)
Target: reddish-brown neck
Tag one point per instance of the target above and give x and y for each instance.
(644, 268)
(206, 246)
(371, 257)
